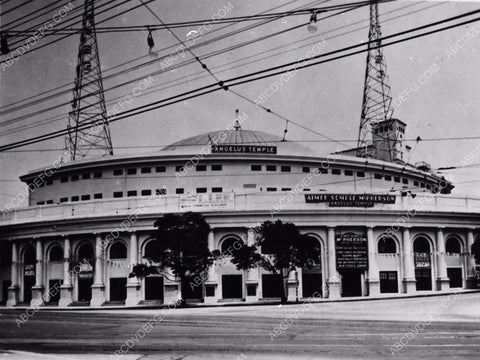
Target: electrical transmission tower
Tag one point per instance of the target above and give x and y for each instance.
(88, 130)
(376, 107)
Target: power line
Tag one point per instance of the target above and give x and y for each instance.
(30, 14)
(17, 7)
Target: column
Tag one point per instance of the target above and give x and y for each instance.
(98, 287)
(373, 275)
(37, 289)
(442, 278)
(13, 288)
(66, 289)
(133, 284)
(252, 274)
(409, 281)
(333, 278)
(292, 286)
(470, 261)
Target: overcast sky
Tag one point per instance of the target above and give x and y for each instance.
(326, 98)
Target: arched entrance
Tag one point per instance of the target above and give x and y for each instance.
(153, 283)
(423, 263)
(388, 278)
(29, 260)
(312, 280)
(55, 257)
(85, 256)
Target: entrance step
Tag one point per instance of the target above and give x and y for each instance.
(80, 303)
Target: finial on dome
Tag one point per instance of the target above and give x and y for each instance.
(237, 125)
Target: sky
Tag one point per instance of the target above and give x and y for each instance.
(326, 98)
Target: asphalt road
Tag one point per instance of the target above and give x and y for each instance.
(239, 333)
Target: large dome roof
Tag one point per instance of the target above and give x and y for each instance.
(237, 137)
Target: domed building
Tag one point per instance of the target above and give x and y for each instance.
(383, 227)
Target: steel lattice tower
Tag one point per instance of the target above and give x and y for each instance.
(376, 106)
(88, 130)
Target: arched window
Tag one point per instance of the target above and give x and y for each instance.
(229, 244)
(85, 252)
(452, 246)
(421, 245)
(386, 245)
(29, 256)
(152, 250)
(312, 243)
(56, 253)
(118, 250)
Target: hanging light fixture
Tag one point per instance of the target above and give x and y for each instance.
(312, 27)
(4, 49)
(151, 44)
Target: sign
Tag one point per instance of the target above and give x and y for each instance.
(422, 260)
(244, 149)
(223, 201)
(351, 251)
(86, 271)
(350, 200)
(29, 270)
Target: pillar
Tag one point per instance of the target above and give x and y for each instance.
(470, 261)
(66, 297)
(37, 289)
(333, 278)
(409, 281)
(211, 278)
(13, 289)
(98, 287)
(133, 284)
(292, 286)
(442, 277)
(373, 276)
(252, 274)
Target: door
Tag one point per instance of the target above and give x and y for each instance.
(54, 290)
(85, 289)
(192, 290)
(28, 282)
(351, 282)
(311, 284)
(455, 276)
(424, 279)
(154, 288)
(118, 289)
(388, 282)
(272, 286)
(232, 287)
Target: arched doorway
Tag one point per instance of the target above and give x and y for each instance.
(5, 265)
(232, 283)
(453, 249)
(388, 279)
(29, 260)
(312, 280)
(423, 263)
(55, 258)
(85, 257)
(118, 284)
(153, 283)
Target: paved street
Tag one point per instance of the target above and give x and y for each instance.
(345, 330)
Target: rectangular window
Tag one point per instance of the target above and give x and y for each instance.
(348, 173)
(40, 202)
(49, 202)
(306, 189)
(85, 197)
(146, 170)
(249, 186)
(97, 174)
(336, 172)
(74, 177)
(97, 196)
(74, 198)
(286, 189)
(118, 172)
(201, 167)
(118, 194)
(429, 187)
(131, 193)
(271, 189)
(377, 176)
(285, 168)
(396, 179)
(131, 171)
(201, 190)
(146, 192)
(405, 181)
(178, 168)
(322, 170)
(49, 182)
(217, 189)
(63, 199)
(86, 176)
(360, 173)
(388, 177)
(162, 191)
(306, 169)
(216, 167)
(179, 191)
(415, 183)
(271, 168)
(256, 167)
(422, 185)
(159, 169)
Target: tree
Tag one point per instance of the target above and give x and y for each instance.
(283, 250)
(182, 247)
(476, 251)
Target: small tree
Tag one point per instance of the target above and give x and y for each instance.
(182, 247)
(284, 249)
(476, 251)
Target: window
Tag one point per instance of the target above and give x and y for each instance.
(452, 246)
(405, 181)
(146, 192)
(377, 176)
(117, 172)
(97, 196)
(271, 168)
(131, 171)
(201, 167)
(131, 193)
(85, 197)
(271, 189)
(97, 174)
(118, 250)
(348, 173)
(159, 169)
(360, 173)
(286, 189)
(201, 190)
(56, 253)
(256, 167)
(74, 177)
(285, 168)
(86, 176)
(162, 191)
(118, 194)
(49, 182)
(306, 169)
(422, 185)
(415, 183)
(396, 179)
(178, 168)
(336, 172)
(48, 202)
(64, 179)
(74, 198)
(306, 189)
(209, 290)
(388, 177)
(230, 244)
(179, 191)
(146, 170)
(63, 199)
(216, 167)
(386, 245)
(249, 186)
(217, 189)
(323, 170)
(40, 202)
(429, 187)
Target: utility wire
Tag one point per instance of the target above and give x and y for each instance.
(17, 7)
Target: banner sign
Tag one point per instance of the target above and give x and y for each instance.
(86, 271)
(223, 201)
(350, 200)
(351, 251)
(244, 149)
(29, 270)
(422, 260)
